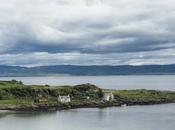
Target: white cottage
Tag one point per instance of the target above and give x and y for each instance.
(108, 96)
(64, 99)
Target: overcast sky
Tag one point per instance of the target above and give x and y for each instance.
(87, 32)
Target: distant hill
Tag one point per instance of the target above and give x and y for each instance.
(87, 70)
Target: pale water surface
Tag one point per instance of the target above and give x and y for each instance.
(156, 117)
(162, 82)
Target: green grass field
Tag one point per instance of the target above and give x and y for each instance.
(15, 93)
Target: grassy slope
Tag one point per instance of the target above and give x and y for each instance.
(15, 93)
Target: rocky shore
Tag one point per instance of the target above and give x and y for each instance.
(58, 107)
(73, 106)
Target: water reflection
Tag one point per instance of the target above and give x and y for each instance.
(157, 117)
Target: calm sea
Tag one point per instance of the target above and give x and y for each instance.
(156, 117)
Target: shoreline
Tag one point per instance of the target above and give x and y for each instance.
(40, 108)
(57, 107)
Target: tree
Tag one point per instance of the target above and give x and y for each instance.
(100, 93)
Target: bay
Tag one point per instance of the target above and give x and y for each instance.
(156, 117)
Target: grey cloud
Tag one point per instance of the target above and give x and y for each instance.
(106, 30)
(76, 58)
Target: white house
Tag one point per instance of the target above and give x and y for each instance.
(108, 96)
(124, 105)
(87, 97)
(64, 99)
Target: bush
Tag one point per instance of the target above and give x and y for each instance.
(3, 94)
(19, 91)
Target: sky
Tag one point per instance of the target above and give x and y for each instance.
(87, 32)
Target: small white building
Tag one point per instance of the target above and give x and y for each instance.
(108, 96)
(124, 105)
(87, 97)
(64, 99)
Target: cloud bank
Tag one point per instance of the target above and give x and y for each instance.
(87, 32)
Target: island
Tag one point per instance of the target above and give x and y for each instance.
(14, 95)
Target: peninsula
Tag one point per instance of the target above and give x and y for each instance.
(14, 95)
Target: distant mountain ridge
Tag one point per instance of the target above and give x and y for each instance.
(87, 70)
